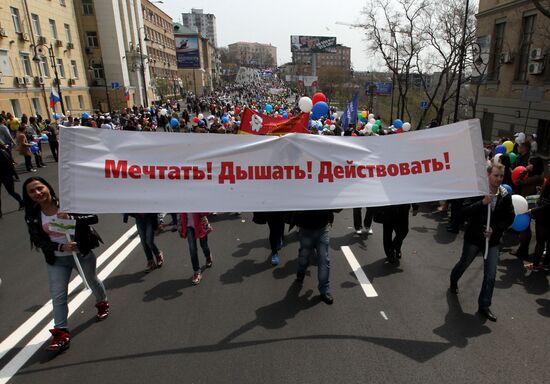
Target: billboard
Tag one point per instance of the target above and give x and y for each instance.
(313, 44)
(187, 52)
(382, 89)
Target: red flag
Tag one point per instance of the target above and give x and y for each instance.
(255, 123)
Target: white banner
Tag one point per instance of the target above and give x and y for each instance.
(105, 171)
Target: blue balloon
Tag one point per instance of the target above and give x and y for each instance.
(260, 111)
(285, 115)
(521, 222)
(85, 115)
(398, 123)
(309, 124)
(44, 137)
(320, 109)
(268, 108)
(56, 116)
(225, 119)
(508, 188)
(34, 149)
(174, 122)
(500, 149)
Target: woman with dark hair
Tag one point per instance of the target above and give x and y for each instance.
(41, 207)
(527, 184)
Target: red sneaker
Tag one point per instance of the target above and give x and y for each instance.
(197, 277)
(61, 340)
(160, 259)
(151, 266)
(102, 310)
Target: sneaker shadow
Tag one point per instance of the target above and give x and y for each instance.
(348, 240)
(513, 272)
(460, 326)
(544, 310)
(121, 281)
(167, 290)
(283, 271)
(243, 269)
(379, 268)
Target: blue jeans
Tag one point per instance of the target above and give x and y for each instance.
(59, 275)
(469, 253)
(191, 239)
(145, 226)
(318, 239)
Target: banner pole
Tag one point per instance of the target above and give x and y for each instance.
(78, 266)
(486, 228)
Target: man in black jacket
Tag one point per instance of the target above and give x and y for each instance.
(314, 234)
(502, 216)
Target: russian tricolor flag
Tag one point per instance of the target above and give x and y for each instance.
(54, 98)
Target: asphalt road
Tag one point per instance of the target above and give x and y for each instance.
(248, 322)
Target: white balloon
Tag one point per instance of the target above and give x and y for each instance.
(335, 115)
(332, 127)
(520, 204)
(372, 120)
(163, 112)
(369, 128)
(407, 126)
(496, 159)
(201, 116)
(305, 104)
(371, 117)
(521, 138)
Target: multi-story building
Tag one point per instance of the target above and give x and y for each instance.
(39, 50)
(341, 58)
(515, 66)
(203, 23)
(115, 54)
(161, 47)
(253, 54)
(197, 60)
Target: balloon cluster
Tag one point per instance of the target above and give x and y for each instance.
(319, 111)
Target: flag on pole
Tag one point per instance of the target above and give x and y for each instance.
(350, 113)
(54, 98)
(126, 94)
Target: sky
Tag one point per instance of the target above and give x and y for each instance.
(273, 22)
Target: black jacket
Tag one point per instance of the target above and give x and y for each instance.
(501, 218)
(541, 213)
(85, 236)
(314, 219)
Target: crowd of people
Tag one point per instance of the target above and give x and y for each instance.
(219, 112)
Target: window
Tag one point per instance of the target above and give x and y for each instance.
(60, 69)
(68, 104)
(53, 29)
(16, 19)
(97, 71)
(74, 69)
(45, 68)
(494, 69)
(526, 41)
(26, 62)
(87, 7)
(36, 25)
(80, 102)
(15, 108)
(5, 64)
(91, 39)
(36, 106)
(68, 35)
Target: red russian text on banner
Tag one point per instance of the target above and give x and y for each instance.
(255, 123)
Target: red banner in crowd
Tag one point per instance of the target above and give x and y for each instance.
(255, 123)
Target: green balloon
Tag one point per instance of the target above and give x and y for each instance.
(375, 128)
(379, 122)
(512, 157)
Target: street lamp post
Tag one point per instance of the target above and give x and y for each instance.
(461, 61)
(142, 66)
(36, 59)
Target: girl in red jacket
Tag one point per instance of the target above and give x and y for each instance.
(195, 226)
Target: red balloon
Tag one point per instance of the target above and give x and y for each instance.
(318, 97)
(276, 107)
(196, 119)
(328, 121)
(237, 110)
(399, 130)
(516, 172)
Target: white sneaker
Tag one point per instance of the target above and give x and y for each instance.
(358, 231)
(369, 231)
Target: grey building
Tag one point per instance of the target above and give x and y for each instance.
(203, 23)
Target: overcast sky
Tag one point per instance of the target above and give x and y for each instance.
(274, 21)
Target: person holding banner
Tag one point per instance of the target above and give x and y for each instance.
(501, 217)
(41, 210)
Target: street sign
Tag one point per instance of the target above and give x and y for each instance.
(423, 105)
(115, 86)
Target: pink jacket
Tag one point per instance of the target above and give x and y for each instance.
(200, 231)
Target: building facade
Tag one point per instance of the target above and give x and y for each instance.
(254, 54)
(115, 54)
(161, 48)
(203, 23)
(514, 51)
(39, 49)
(340, 59)
(197, 60)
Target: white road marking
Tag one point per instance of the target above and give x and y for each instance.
(384, 315)
(11, 368)
(23, 330)
(359, 273)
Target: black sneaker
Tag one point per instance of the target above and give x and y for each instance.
(327, 298)
(300, 276)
